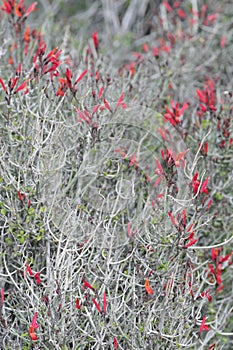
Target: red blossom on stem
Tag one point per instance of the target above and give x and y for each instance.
(148, 288)
(88, 285)
(3, 84)
(96, 305)
(31, 8)
(95, 40)
(205, 295)
(115, 343)
(19, 10)
(35, 275)
(34, 325)
(2, 295)
(203, 325)
(173, 115)
(80, 76)
(198, 186)
(120, 102)
(191, 242)
(207, 98)
(77, 304)
(104, 302)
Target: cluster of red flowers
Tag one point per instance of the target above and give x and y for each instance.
(216, 270)
(174, 114)
(34, 325)
(207, 98)
(35, 275)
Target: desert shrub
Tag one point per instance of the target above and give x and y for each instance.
(116, 172)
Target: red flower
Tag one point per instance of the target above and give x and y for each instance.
(2, 296)
(37, 278)
(28, 269)
(206, 97)
(81, 76)
(191, 242)
(32, 333)
(107, 106)
(31, 8)
(173, 115)
(36, 275)
(88, 285)
(3, 85)
(214, 253)
(205, 294)
(181, 13)
(133, 160)
(105, 302)
(77, 304)
(34, 325)
(172, 219)
(198, 186)
(120, 102)
(148, 288)
(8, 6)
(204, 326)
(22, 86)
(167, 5)
(115, 343)
(95, 39)
(96, 305)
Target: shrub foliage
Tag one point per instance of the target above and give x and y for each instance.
(116, 178)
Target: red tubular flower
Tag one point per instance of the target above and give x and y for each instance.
(191, 242)
(2, 296)
(96, 305)
(120, 102)
(37, 278)
(133, 160)
(8, 6)
(77, 304)
(101, 92)
(214, 254)
(129, 230)
(221, 287)
(115, 343)
(88, 285)
(3, 85)
(172, 219)
(106, 104)
(34, 325)
(207, 97)
(95, 39)
(167, 6)
(28, 269)
(36, 275)
(148, 288)
(204, 326)
(205, 294)
(31, 8)
(22, 86)
(105, 302)
(81, 76)
(173, 115)
(198, 185)
(32, 333)
(68, 78)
